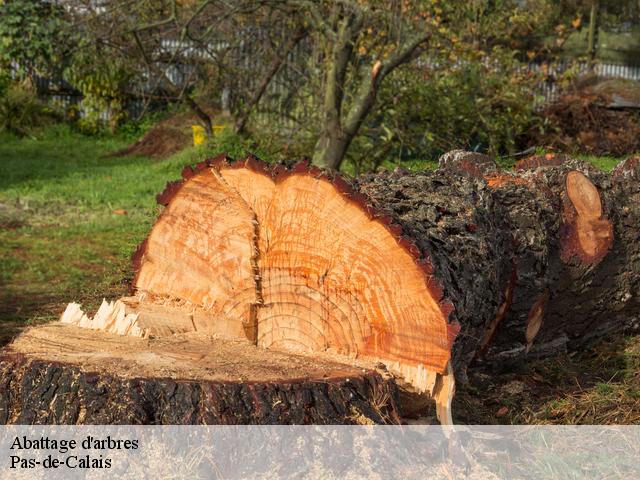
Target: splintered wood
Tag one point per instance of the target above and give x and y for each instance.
(390, 269)
(145, 319)
(200, 251)
(287, 262)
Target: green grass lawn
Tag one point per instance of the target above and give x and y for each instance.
(62, 239)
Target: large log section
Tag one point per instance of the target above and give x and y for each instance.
(577, 268)
(61, 374)
(424, 273)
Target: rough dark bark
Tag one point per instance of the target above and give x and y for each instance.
(473, 164)
(45, 392)
(451, 219)
(547, 160)
(515, 264)
(528, 215)
(624, 290)
(557, 296)
(562, 297)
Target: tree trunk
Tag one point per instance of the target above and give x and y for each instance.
(575, 260)
(420, 274)
(592, 38)
(330, 149)
(562, 225)
(199, 111)
(55, 375)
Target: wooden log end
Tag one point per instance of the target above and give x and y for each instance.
(586, 234)
(295, 258)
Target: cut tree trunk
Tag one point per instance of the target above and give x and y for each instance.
(302, 261)
(572, 270)
(416, 274)
(60, 374)
(331, 148)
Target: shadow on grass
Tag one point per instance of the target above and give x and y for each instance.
(18, 311)
(21, 309)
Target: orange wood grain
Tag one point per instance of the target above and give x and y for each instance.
(334, 278)
(200, 250)
(302, 258)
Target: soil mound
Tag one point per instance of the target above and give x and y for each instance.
(160, 142)
(585, 122)
(166, 138)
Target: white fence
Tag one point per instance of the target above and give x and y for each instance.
(550, 88)
(64, 95)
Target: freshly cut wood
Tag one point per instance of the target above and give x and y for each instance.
(588, 235)
(419, 273)
(206, 228)
(137, 318)
(61, 374)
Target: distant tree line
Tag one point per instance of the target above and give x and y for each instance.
(380, 79)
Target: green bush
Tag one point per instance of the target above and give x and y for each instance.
(476, 103)
(21, 112)
(236, 146)
(5, 80)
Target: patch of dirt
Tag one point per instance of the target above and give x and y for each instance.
(159, 142)
(11, 217)
(619, 91)
(166, 138)
(581, 122)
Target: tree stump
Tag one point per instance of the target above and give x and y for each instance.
(416, 274)
(63, 374)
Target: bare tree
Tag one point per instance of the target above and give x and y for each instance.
(345, 50)
(172, 47)
(362, 43)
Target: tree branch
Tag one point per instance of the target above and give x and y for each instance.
(168, 84)
(271, 72)
(366, 96)
(172, 18)
(341, 53)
